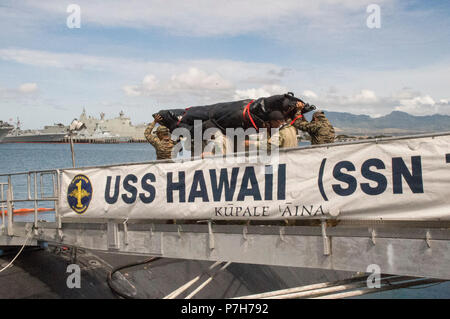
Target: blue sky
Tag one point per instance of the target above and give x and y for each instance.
(142, 56)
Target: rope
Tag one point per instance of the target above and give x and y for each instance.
(18, 254)
(114, 270)
(185, 111)
(296, 118)
(247, 110)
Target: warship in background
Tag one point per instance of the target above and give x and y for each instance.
(120, 127)
(115, 130)
(5, 128)
(50, 134)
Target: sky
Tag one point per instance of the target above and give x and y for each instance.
(141, 56)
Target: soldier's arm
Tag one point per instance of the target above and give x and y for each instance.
(300, 123)
(313, 127)
(151, 138)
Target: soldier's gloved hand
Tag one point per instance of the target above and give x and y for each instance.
(300, 105)
(158, 118)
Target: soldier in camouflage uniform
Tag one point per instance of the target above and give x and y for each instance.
(320, 129)
(161, 141)
(286, 136)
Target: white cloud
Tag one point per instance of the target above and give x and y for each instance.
(205, 17)
(187, 82)
(28, 87)
(65, 60)
(25, 89)
(25, 94)
(364, 96)
(149, 82)
(419, 105)
(266, 90)
(132, 90)
(229, 69)
(367, 102)
(196, 79)
(309, 94)
(205, 86)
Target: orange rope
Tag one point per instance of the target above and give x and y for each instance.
(24, 211)
(247, 110)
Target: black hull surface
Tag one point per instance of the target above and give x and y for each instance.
(42, 274)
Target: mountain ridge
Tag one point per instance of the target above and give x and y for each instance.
(394, 123)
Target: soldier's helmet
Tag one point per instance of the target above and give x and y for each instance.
(319, 115)
(162, 130)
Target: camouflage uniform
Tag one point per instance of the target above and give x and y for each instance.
(285, 137)
(163, 147)
(320, 130)
(218, 144)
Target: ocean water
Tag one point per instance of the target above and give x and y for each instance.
(20, 157)
(24, 157)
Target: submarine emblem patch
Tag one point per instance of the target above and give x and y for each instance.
(79, 193)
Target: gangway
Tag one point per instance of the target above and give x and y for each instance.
(329, 240)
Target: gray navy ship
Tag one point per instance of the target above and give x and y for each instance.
(119, 129)
(5, 128)
(50, 134)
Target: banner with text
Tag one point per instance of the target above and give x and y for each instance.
(402, 179)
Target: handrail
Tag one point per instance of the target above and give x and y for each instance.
(35, 194)
(28, 172)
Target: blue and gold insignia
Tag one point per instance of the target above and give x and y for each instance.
(79, 193)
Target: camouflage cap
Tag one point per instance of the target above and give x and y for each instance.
(162, 130)
(319, 114)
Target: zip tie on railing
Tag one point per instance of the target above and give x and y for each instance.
(210, 236)
(245, 232)
(428, 239)
(282, 233)
(125, 232)
(326, 239)
(373, 235)
(152, 226)
(18, 254)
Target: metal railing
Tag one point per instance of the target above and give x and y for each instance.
(38, 192)
(2, 207)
